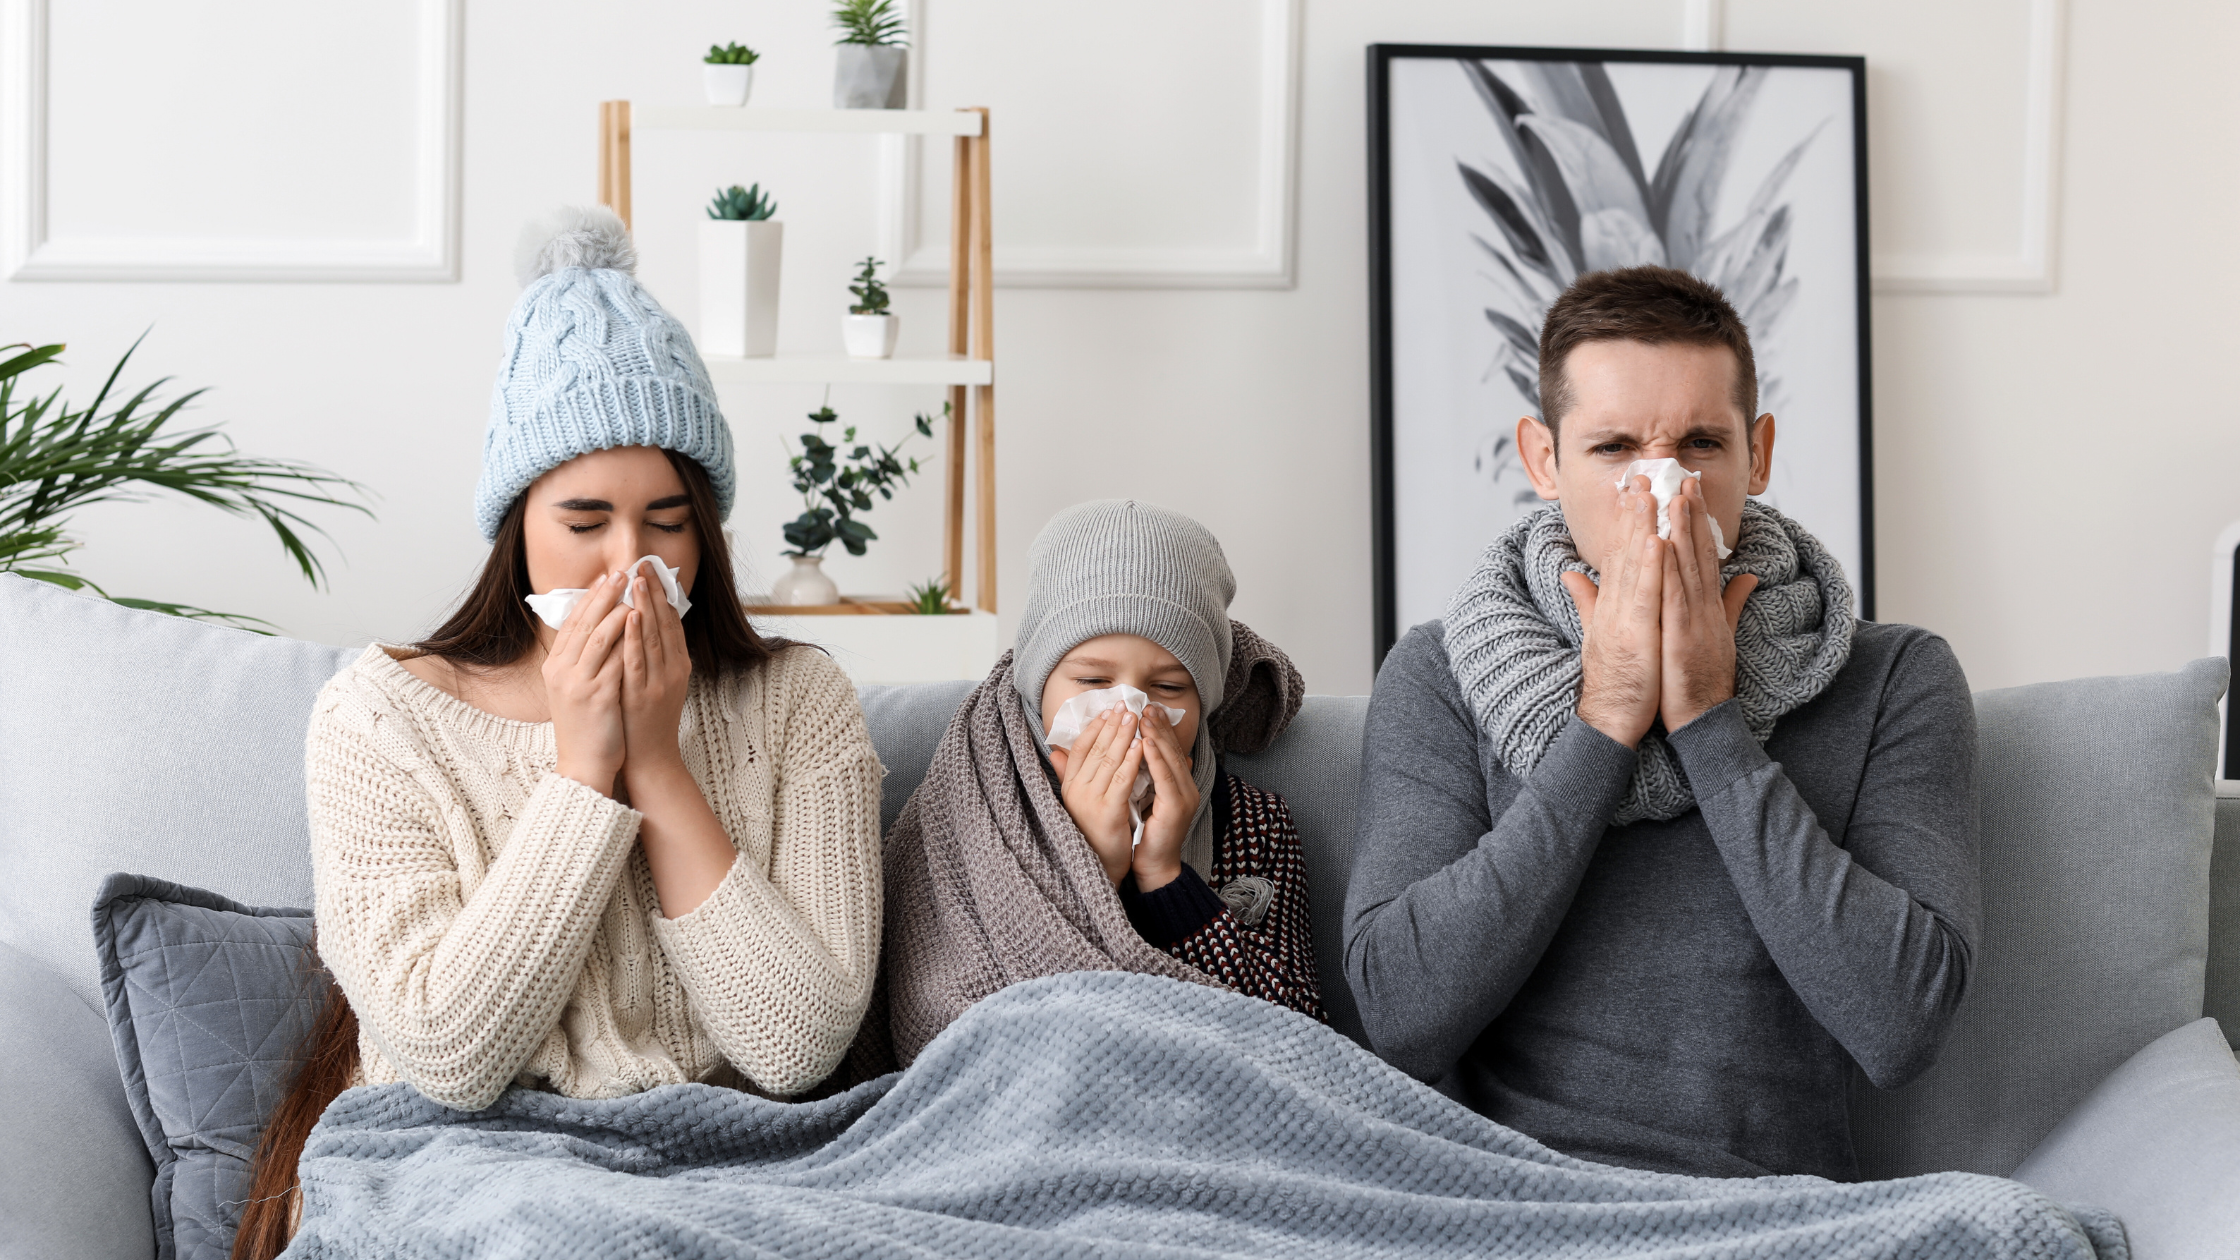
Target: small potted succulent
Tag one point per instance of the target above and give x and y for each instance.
(741, 248)
(728, 76)
(836, 486)
(867, 330)
(870, 70)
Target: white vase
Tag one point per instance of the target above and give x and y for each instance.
(739, 262)
(869, 336)
(870, 76)
(727, 84)
(805, 583)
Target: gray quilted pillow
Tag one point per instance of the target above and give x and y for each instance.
(209, 1003)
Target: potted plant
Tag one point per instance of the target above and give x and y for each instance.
(836, 486)
(931, 597)
(869, 72)
(867, 330)
(56, 458)
(728, 76)
(740, 250)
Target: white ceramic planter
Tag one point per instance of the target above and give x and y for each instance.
(727, 84)
(870, 336)
(739, 262)
(805, 583)
(870, 76)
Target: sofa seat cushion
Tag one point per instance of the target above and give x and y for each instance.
(209, 1003)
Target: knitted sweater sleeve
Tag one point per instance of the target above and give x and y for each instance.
(779, 960)
(457, 989)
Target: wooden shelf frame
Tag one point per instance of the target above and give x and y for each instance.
(969, 367)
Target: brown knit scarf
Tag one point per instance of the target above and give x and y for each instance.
(988, 881)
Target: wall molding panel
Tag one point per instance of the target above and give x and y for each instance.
(2031, 268)
(1270, 262)
(30, 251)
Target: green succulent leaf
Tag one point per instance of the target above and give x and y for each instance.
(731, 55)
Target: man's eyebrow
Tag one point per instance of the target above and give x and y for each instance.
(1096, 662)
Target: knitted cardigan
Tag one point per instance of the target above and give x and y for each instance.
(493, 922)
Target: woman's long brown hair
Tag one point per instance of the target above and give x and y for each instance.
(491, 627)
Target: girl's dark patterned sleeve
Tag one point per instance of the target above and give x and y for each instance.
(1272, 959)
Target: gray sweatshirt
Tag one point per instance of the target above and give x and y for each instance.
(1688, 995)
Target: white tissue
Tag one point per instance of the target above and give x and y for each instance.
(1665, 478)
(1080, 710)
(553, 606)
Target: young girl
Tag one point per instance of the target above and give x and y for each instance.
(1014, 859)
(633, 848)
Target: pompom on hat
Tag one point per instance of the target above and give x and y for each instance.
(592, 362)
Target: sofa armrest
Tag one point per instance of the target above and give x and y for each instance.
(74, 1174)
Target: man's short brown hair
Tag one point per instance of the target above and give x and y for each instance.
(1656, 305)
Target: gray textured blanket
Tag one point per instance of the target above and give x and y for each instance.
(1099, 1114)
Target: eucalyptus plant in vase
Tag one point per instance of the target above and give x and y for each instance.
(55, 458)
(870, 66)
(741, 249)
(836, 486)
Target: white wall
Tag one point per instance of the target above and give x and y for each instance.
(2051, 466)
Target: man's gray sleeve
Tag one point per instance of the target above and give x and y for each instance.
(1880, 964)
(1448, 911)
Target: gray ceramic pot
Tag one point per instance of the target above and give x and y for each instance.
(870, 76)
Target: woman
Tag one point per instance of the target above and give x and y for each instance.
(1015, 859)
(635, 848)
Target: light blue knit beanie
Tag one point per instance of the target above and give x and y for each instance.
(592, 362)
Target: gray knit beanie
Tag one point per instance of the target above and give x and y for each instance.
(592, 362)
(1117, 566)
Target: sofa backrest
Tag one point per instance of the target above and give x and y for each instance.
(144, 743)
(132, 741)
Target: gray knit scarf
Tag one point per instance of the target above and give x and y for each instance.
(1512, 636)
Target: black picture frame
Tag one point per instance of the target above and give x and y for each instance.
(1383, 472)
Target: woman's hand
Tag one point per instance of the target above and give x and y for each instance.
(656, 672)
(1095, 779)
(583, 684)
(1174, 805)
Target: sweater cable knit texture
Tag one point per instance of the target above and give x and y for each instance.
(493, 922)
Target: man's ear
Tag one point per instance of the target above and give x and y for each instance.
(1761, 453)
(1536, 446)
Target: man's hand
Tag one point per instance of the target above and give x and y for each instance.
(1623, 656)
(1699, 619)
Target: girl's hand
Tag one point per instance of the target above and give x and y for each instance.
(1095, 779)
(1174, 805)
(583, 685)
(656, 672)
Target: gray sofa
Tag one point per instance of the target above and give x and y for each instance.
(130, 741)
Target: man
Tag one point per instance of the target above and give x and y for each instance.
(1649, 901)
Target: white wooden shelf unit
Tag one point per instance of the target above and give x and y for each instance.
(968, 369)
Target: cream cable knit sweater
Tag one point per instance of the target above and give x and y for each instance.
(493, 922)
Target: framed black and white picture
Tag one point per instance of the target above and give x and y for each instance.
(1499, 175)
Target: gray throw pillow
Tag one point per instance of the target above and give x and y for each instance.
(209, 1004)
(2097, 810)
(2158, 1144)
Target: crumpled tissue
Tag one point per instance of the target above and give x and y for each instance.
(1080, 710)
(553, 606)
(1665, 478)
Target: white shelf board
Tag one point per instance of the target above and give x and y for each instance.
(898, 649)
(839, 369)
(916, 122)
